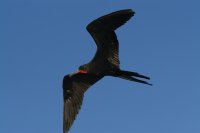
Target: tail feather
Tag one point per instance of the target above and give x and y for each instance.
(134, 74)
(129, 76)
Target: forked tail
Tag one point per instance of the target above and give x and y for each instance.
(131, 76)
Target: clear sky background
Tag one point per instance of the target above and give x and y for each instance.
(42, 40)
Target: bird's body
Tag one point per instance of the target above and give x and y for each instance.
(104, 63)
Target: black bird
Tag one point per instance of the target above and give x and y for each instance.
(104, 63)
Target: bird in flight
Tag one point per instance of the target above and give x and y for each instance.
(104, 63)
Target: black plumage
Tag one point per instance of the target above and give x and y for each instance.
(104, 63)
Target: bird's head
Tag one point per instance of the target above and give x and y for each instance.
(82, 70)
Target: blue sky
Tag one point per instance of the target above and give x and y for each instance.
(42, 40)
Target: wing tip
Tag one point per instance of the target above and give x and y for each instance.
(130, 11)
(126, 13)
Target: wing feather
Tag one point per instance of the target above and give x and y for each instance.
(102, 31)
(74, 87)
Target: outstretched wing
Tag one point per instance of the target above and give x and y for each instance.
(74, 87)
(102, 31)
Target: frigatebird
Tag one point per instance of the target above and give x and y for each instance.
(104, 63)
